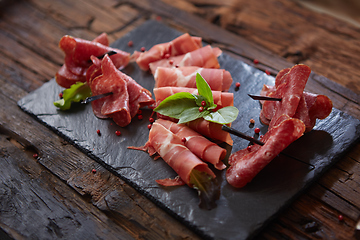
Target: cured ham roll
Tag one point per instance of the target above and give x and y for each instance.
(221, 99)
(305, 106)
(173, 151)
(180, 45)
(211, 130)
(128, 96)
(77, 58)
(218, 79)
(244, 167)
(205, 57)
(197, 144)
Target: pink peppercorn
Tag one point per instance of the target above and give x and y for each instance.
(142, 49)
(256, 61)
(35, 155)
(93, 170)
(118, 133)
(130, 43)
(257, 130)
(267, 72)
(98, 132)
(183, 139)
(151, 120)
(252, 121)
(149, 126)
(237, 84)
(140, 117)
(201, 109)
(203, 103)
(341, 217)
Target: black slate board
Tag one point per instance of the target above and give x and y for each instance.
(241, 213)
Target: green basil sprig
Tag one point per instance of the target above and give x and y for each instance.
(77, 92)
(185, 106)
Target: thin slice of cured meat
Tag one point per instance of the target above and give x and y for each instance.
(290, 91)
(128, 96)
(205, 57)
(173, 151)
(77, 58)
(205, 149)
(179, 46)
(246, 166)
(218, 79)
(221, 99)
(310, 107)
(211, 130)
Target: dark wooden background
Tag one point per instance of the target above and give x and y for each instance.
(57, 196)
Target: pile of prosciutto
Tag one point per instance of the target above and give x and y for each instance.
(288, 119)
(186, 147)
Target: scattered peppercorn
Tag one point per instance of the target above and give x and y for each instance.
(267, 72)
(183, 139)
(257, 130)
(151, 120)
(167, 55)
(149, 126)
(98, 132)
(256, 61)
(248, 148)
(118, 133)
(252, 121)
(142, 49)
(140, 117)
(203, 103)
(93, 170)
(158, 18)
(177, 65)
(61, 95)
(171, 62)
(237, 84)
(341, 217)
(201, 109)
(130, 43)
(35, 155)
(139, 111)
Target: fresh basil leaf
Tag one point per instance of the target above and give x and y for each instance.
(223, 115)
(204, 89)
(191, 114)
(77, 92)
(199, 99)
(174, 105)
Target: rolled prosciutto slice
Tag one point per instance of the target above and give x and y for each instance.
(197, 143)
(128, 96)
(77, 58)
(211, 130)
(205, 57)
(173, 151)
(218, 79)
(180, 45)
(221, 99)
(246, 165)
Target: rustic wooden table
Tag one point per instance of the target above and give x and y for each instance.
(57, 196)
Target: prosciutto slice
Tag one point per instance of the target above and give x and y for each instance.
(173, 151)
(221, 99)
(205, 57)
(128, 96)
(197, 144)
(245, 164)
(77, 58)
(310, 106)
(180, 45)
(218, 79)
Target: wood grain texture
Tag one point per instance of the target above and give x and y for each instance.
(60, 185)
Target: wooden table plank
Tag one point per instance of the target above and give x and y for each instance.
(30, 31)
